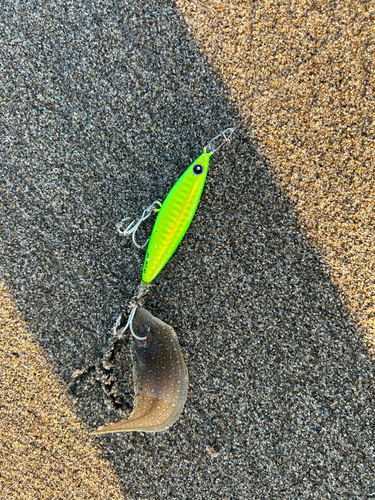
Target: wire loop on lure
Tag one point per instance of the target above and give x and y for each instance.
(132, 228)
(225, 135)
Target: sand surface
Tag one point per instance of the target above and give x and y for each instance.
(271, 293)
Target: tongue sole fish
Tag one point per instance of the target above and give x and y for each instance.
(160, 378)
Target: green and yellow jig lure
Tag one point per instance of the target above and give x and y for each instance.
(175, 217)
(159, 371)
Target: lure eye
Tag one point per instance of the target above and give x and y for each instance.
(198, 169)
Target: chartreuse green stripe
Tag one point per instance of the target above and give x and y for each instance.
(175, 217)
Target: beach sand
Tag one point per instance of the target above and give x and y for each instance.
(271, 291)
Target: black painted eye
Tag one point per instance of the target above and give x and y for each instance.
(198, 169)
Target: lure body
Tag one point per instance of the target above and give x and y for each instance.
(175, 217)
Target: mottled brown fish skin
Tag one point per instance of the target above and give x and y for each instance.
(160, 378)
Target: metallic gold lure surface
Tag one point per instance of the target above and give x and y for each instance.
(159, 370)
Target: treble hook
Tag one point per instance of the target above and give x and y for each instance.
(134, 225)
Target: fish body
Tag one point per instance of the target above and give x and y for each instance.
(160, 378)
(175, 217)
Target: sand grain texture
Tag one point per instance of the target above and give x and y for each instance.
(303, 76)
(271, 292)
(45, 452)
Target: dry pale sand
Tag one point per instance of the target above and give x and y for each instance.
(45, 451)
(271, 293)
(303, 77)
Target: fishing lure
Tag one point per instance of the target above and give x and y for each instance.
(159, 371)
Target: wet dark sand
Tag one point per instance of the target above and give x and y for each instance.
(271, 292)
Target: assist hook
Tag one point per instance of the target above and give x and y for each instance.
(134, 303)
(133, 226)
